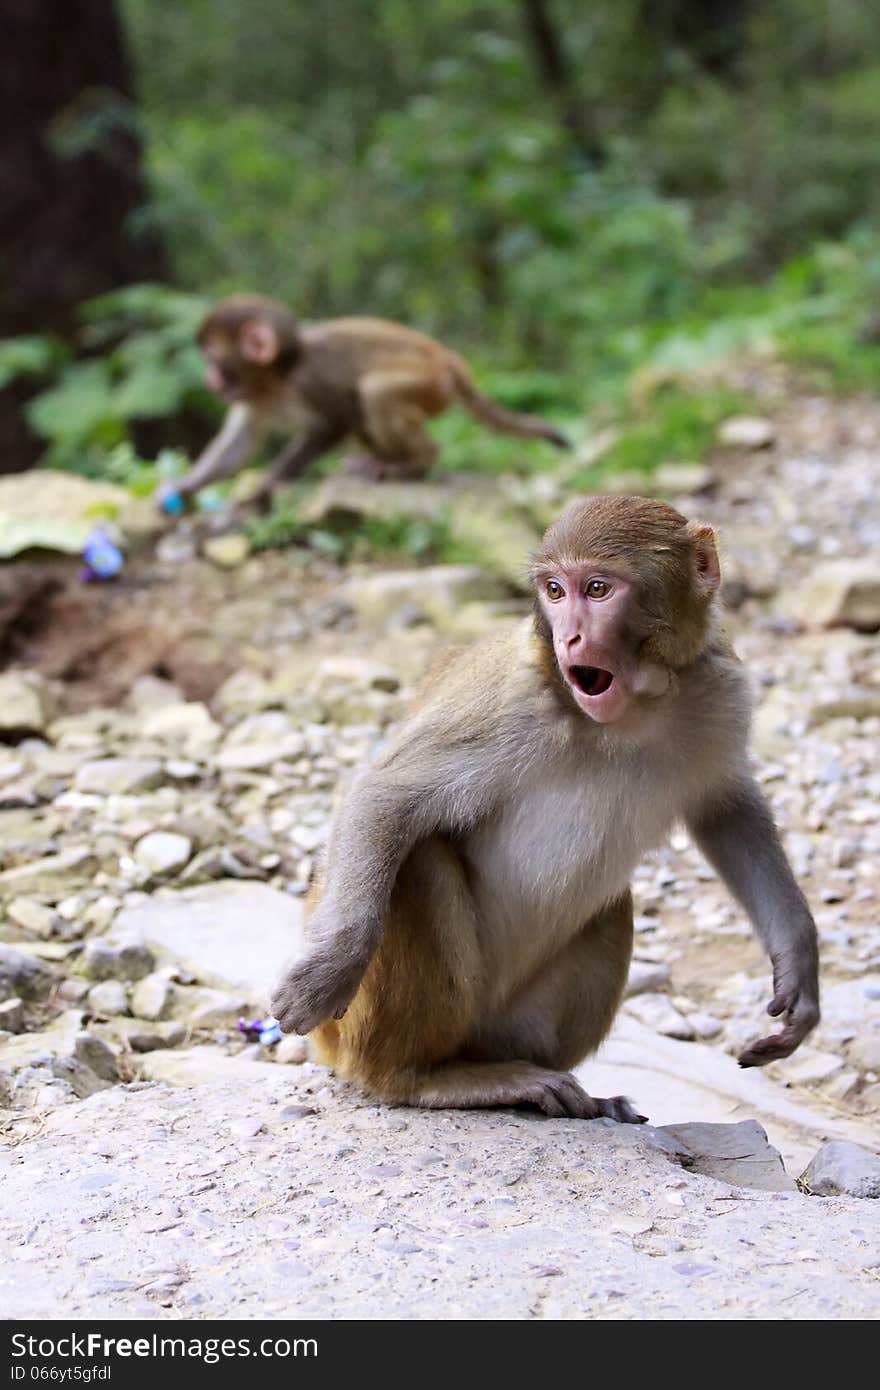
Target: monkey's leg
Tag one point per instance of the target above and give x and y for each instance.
(565, 1011)
(412, 1032)
(553, 1022)
(395, 406)
(293, 460)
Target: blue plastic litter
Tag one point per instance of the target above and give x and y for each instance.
(104, 559)
(271, 1032)
(171, 502)
(267, 1030)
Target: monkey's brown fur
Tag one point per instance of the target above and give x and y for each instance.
(471, 938)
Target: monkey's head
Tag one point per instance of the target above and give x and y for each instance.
(249, 345)
(624, 588)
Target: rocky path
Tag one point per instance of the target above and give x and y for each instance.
(153, 857)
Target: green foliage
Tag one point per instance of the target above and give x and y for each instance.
(402, 537)
(410, 161)
(142, 364)
(676, 426)
(33, 356)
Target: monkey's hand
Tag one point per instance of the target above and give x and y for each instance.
(796, 999)
(318, 987)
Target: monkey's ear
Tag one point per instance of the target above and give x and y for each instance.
(258, 342)
(707, 569)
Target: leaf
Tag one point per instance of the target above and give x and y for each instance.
(77, 407)
(28, 356)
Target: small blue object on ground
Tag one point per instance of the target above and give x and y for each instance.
(104, 559)
(171, 503)
(267, 1030)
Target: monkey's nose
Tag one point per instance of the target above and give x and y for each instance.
(573, 640)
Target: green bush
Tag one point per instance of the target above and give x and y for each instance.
(141, 363)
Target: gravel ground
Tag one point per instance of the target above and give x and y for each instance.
(157, 1158)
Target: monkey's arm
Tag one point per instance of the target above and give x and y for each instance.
(241, 434)
(738, 837)
(387, 812)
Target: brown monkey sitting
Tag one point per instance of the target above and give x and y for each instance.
(471, 939)
(365, 378)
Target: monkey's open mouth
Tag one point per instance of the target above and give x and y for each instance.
(591, 680)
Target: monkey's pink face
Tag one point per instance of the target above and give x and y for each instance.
(587, 609)
(222, 378)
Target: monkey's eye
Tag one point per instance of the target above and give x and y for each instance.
(555, 590)
(597, 588)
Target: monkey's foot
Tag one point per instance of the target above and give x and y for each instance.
(483, 1084)
(559, 1094)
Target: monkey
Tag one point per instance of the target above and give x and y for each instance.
(366, 378)
(469, 936)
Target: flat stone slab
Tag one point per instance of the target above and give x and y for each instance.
(737, 1154)
(293, 1196)
(230, 933)
(200, 1066)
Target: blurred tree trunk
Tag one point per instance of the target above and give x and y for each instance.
(713, 33)
(554, 73)
(71, 174)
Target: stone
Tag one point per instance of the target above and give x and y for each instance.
(108, 997)
(647, 978)
(683, 478)
(23, 975)
(838, 593)
(862, 705)
(96, 1055)
(501, 536)
(152, 997)
(52, 1066)
(162, 852)
(251, 757)
(119, 776)
(747, 432)
(185, 724)
(667, 1079)
(135, 1033)
(31, 916)
(705, 1026)
(26, 703)
(11, 1015)
(340, 502)
(659, 1013)
(232, 933)
(356, 671)
(48, 509)
(117, 959)
(738, 1154)
(434, 592)
(292, 1050)
(201, 1066)
(208, 1008)
(54, 875)
(864, 1051)
(809, 1067)
(227, 552)
(841, 1168)
(150, 693)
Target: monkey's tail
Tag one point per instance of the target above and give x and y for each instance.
(495, 415)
